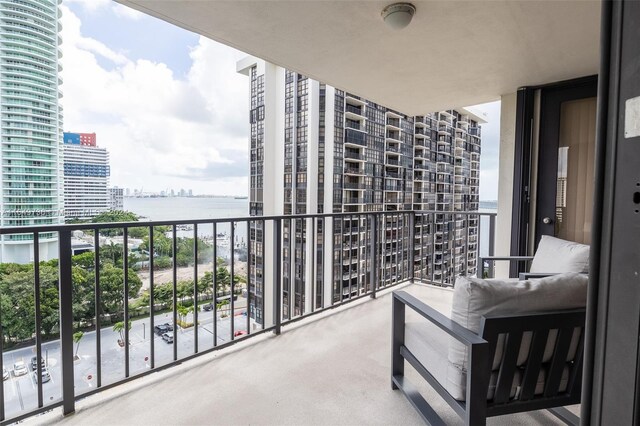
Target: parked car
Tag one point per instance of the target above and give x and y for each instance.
(5, 373)
(20, 368)
(168, 337)
(45, 376)
(207, 307)
(34, 363)
(162, 328)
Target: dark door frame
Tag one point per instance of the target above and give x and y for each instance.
(551, 96)
(551, 99)
(611, 385)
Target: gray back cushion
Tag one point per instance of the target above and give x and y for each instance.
(474, 298)
(555, 255)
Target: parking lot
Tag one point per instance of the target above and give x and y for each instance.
(20, 392)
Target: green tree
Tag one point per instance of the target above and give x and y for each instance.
(85, 261)
(113, 217)
(163, 293)
(18, 301)
(111, 252)
(182, 311)
(77, 336)
(112, 288)
(162, 262)
(184, 289)
(119, 328)
(83, 294)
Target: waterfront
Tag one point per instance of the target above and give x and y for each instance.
(192, 208)
(180, 208)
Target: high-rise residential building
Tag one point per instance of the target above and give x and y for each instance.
(86, 176)
(116, 198)
(317, 149)
(31, 127)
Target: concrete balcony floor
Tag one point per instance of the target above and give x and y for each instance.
(330, 369)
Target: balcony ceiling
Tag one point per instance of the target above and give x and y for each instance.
(454, 52)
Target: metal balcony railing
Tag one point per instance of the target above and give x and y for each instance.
(354, 109)
(98, 294)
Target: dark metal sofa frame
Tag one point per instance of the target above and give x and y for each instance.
(476, 408)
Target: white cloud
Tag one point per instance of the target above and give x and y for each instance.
(91, 5)
(161, 131)
(126, 12)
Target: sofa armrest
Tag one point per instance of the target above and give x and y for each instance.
(479, 363)
(451, 327)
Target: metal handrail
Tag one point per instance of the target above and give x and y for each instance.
(382, 254)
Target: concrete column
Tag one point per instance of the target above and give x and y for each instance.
(505, 181)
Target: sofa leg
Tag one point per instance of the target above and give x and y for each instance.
(565, 415)
(397, 340)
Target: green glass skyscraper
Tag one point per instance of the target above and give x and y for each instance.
(31, 126)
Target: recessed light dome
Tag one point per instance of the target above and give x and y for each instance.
(398, 15)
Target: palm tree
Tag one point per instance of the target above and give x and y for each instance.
(119, 328)
(183, 311)
(112, 250)
(77, 336)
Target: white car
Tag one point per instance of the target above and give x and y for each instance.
(20, 369)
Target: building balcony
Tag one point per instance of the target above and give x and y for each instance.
(354, 155)
(232, 329)
(393, 122)
(353, 170)
(354, 185)
(392, 147)
(354, 137)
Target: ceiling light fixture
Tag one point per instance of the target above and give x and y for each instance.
(398, 15)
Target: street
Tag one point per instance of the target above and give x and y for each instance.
(20, 393)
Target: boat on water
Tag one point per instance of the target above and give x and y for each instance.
(222, 239)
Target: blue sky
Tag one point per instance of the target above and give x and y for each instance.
(157, 93)
(139, 38)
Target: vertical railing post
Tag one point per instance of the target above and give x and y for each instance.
(38, 315)
(466, 245)
(125, 269)
(277, 274)
(195, 288)
(152, 354)
(492, 244)
(66, 320)
(412, 244)
(232, 249)
(374, 257)
(2, 414)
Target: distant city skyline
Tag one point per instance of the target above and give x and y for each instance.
(194, 133)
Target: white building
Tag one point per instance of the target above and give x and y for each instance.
(31, 180)
(86, 176)
(116, 198)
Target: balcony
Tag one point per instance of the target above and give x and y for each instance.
(354, 155)
(134, 353)
(355, 137)
(352, 109)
